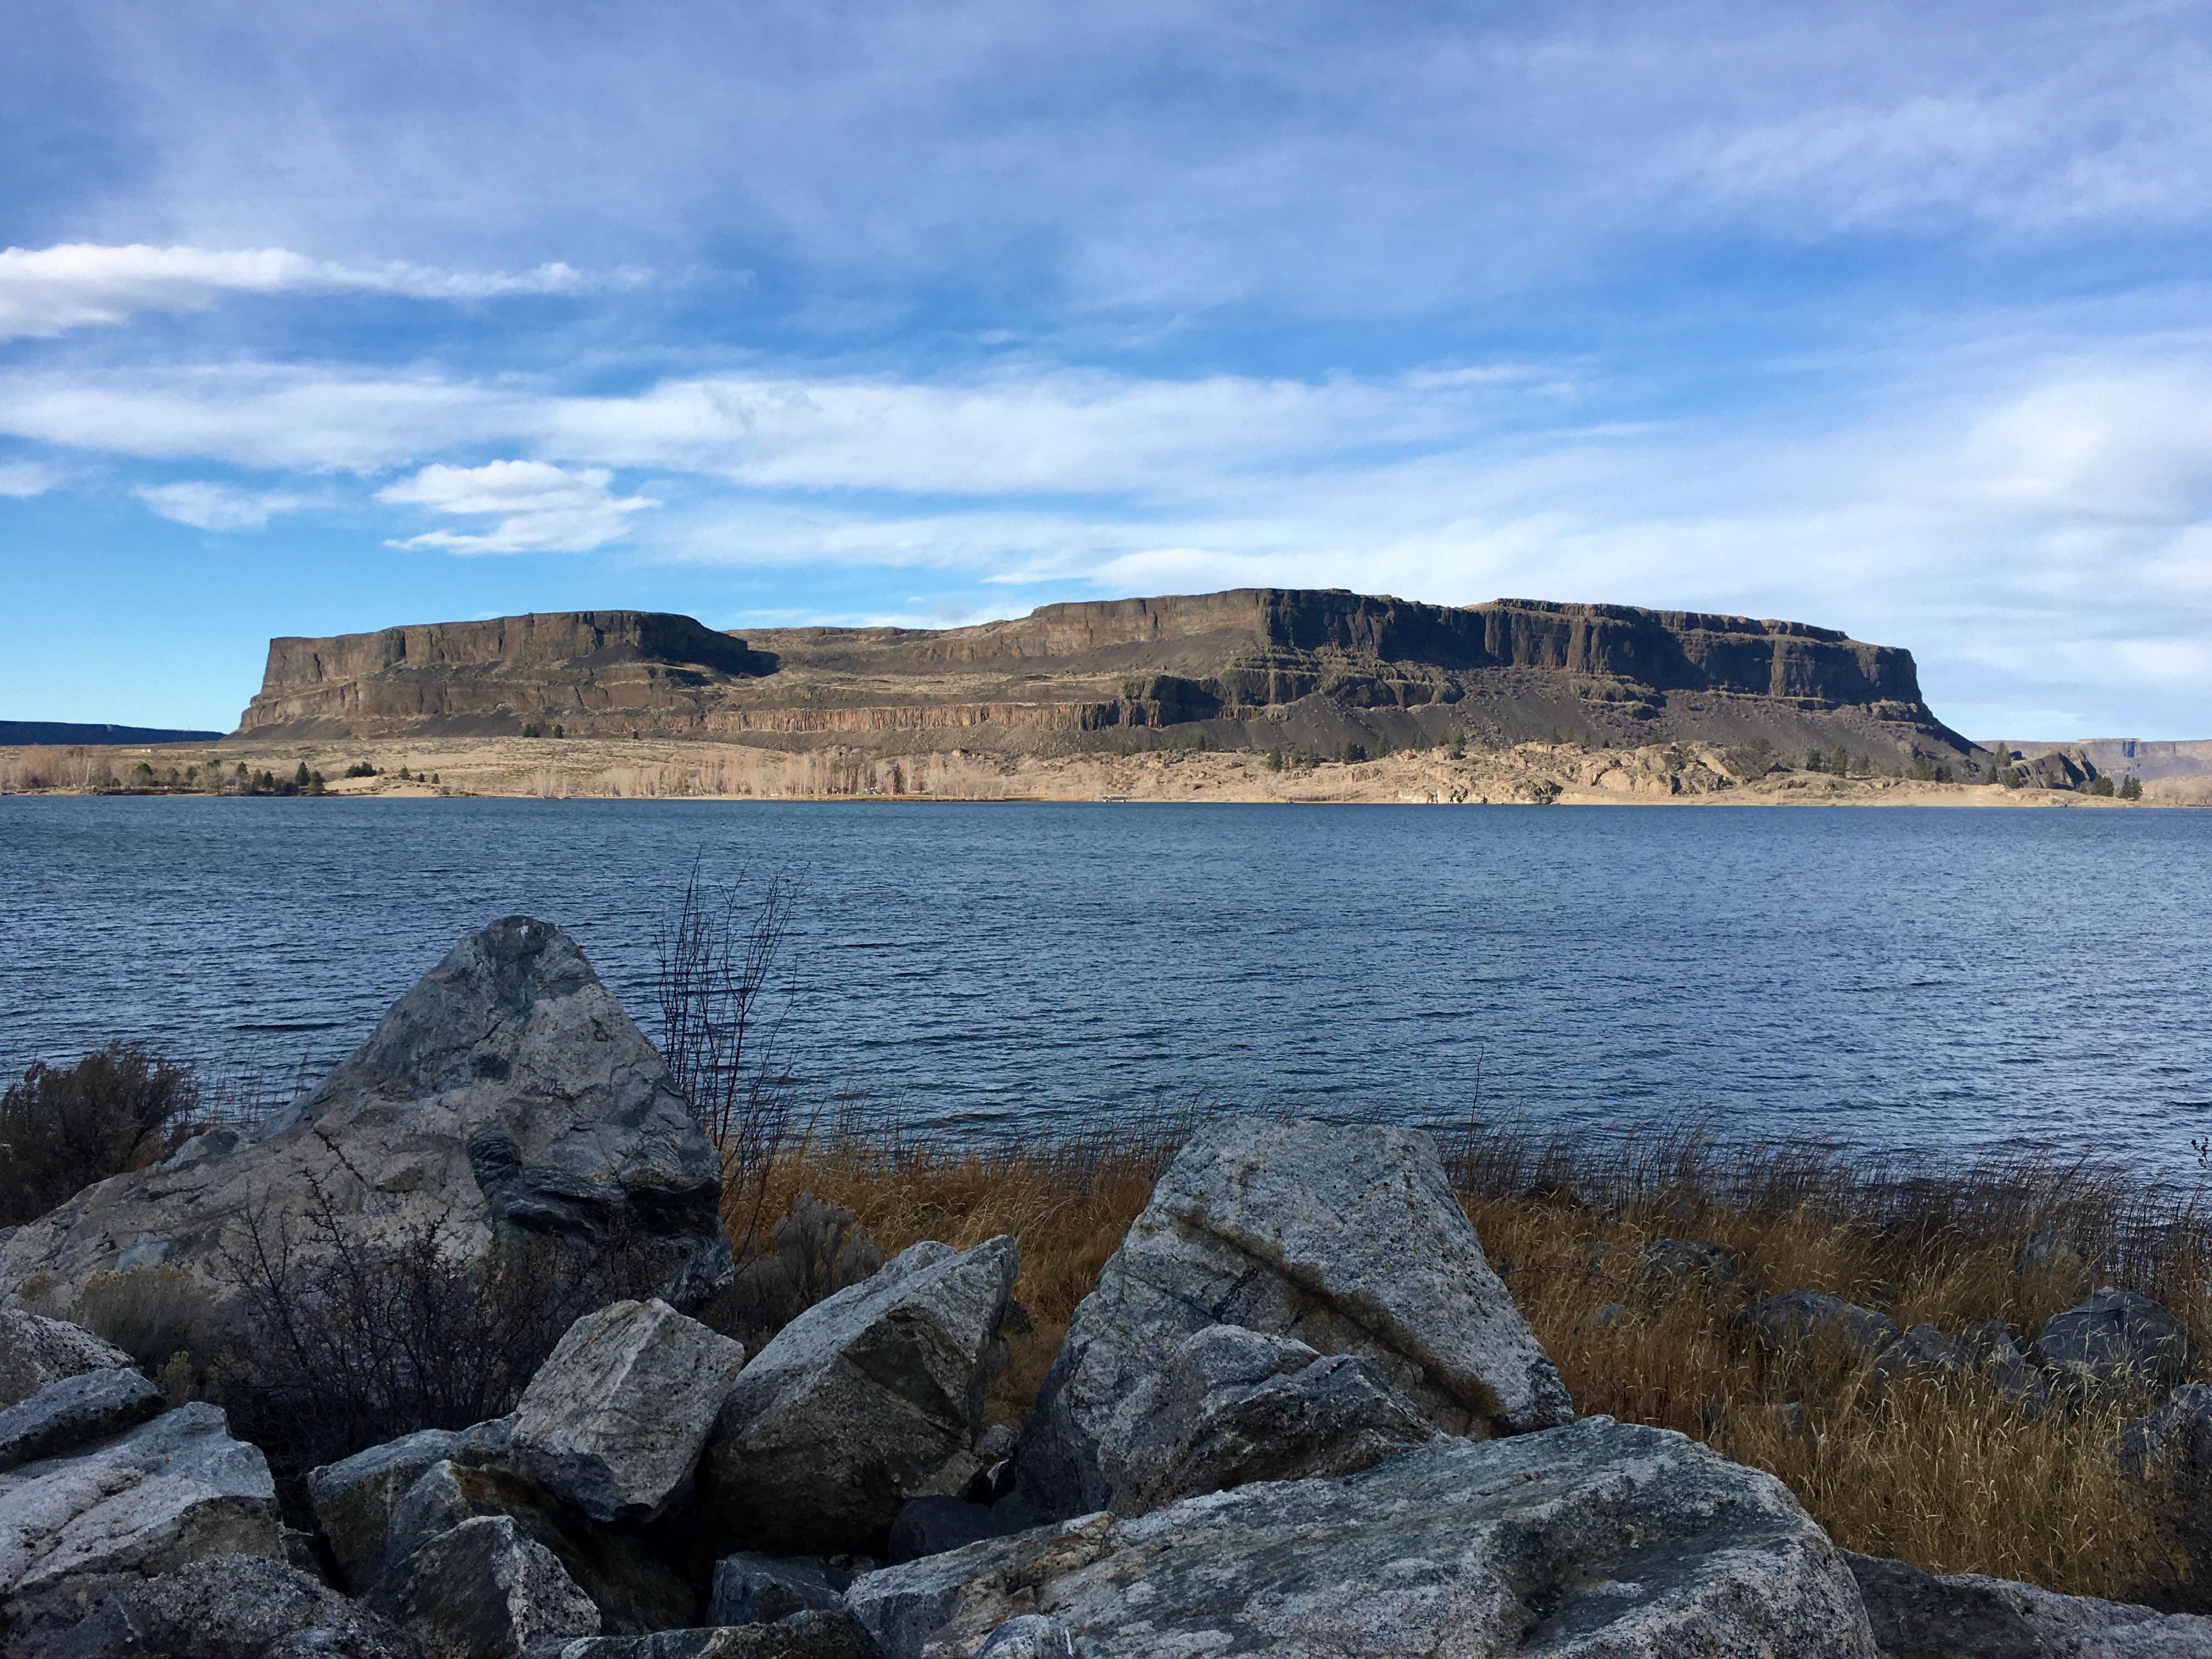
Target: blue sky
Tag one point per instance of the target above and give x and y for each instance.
(1894, 319)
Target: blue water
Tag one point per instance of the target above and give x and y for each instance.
(1955, 980)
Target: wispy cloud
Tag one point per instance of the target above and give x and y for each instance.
(49, 291)
(538, 508)
(20, 480)
(217, 506)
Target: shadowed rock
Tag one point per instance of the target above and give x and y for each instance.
(241, 1607)
(74, 1413)
(171, 1491)
(1230, 1406)
(485, 1591)
(757, 1589)
(35, 1351)
(802, 1636)
(1348, 1239)
(615, 1418)
(506, 1094)
(865, 1401)
(353, 1499)
(1917, 1615)
(1599, 1538)
(1797, 1317)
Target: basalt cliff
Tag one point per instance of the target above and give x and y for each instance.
(1251, 668)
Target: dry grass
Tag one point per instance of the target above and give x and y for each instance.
(1950, 1476)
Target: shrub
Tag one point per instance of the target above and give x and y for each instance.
(64, 1128)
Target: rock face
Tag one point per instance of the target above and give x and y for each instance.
(1916, 1615)
(506, 1092)
(1230, 1406)
(173, 1490)
(485, 1591)
(237, 1606)
(615, 1419)
(1599, 1538)
(2113, 1337)
(1347, 1239)
(74, 1412)
(1255, 664)
(868, 1398)
(35, 1351)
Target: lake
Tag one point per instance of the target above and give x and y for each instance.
(1954, 980)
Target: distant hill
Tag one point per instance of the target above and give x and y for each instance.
(72, 732)
(2146, 758)
(1255, 668)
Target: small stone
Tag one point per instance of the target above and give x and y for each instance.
(75, 1411)
(615, 1418)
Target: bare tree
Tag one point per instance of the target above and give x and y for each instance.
(722, 1015)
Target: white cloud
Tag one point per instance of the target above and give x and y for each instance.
(206, 506)
(540, 508)
(20, 480)
(47, 291)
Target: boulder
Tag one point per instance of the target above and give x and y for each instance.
(75, 1411)
(802, 1636)
(615, 1418)
(485, 1591)
(1667, 1266)
(1798, 1317)
(1597, 1538)
(1029, 1636)
(757, 1589)
(173, 1491)
(865, 1401)
(630, 1575)
(1923, 1350)
(1348, 1239)
(353, 1499)
(1917, 1615)
(35, 1351)
(1230, 1406)
(2116, 1337)
(506, 1094)
(2175, 1440)
(235, 1607)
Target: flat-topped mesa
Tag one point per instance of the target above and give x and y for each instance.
(599, 668)
(1264, 667)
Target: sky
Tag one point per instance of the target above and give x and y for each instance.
(1888, 318)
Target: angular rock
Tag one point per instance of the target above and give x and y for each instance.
(1599, 1538)
(2174, 1440)
(506, 1094)
(1348, 1239)
(236, 1606)
(353, 1499)
(75, 1411)
(173, 1491)
(615, 1418)
(630, 1575)
(803, 1636)
(1029, 1636)
(1923, 1350)
(1795, 1317)
(35, 1351)
(865, 1401)
(1230, 1406)
(1667, 1266)
(485, 1591)
(1917, 1615)
(757, 1589)
(930, 1526)
(2116, 1337)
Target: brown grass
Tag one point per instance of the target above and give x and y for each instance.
(1947, 1476)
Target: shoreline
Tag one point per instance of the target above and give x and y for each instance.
(573, 768)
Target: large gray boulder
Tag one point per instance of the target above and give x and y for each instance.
(1348, 1239)
(2116, 1337)
(506, 1094)
(1599, 1538)
(35, 1351)
(171, 1491)
(615, 1419)
(802, 1636)
(75, 1411)
(629, 1575)
(1230, 1406)
(865, 1401)
(353, 1499)
(236, 1606)
(1917, 1615)
(485, 1591)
